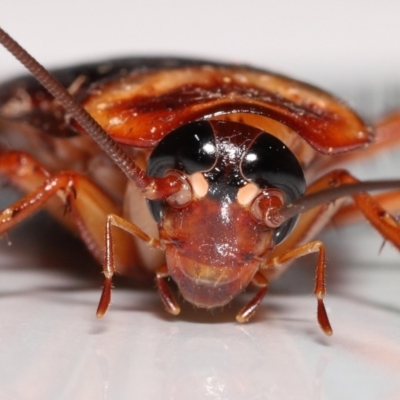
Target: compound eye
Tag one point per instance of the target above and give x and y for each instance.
(189, 149)
(270, 164)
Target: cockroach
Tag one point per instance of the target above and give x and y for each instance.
(192, 169)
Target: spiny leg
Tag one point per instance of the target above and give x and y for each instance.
(109, 263)
(88, 204)
(250, 308)
(320, 286)
(66, 190)
(26, 173)
(386, 224)
(91, 210)
(351, 213)
(313, 221)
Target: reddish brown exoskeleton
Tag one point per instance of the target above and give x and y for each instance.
(202, 177)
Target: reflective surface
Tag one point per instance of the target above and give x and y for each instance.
(52, 346)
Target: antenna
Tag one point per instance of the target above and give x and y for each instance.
(154, 188)
(278, 215)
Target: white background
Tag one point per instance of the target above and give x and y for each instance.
(51, 346)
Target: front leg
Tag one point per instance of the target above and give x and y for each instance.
(109, 259)
(58, 193)
(250, 308)
(167, 298)
(320, 286)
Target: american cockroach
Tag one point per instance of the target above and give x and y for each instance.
(192, 169)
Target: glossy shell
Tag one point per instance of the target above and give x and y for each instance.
(139, 100)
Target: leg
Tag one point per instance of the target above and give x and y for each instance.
(350, 213)
(109, 263)
(313, 221)
(250, 308)
(320, 287)
(387, 132)
(377, 216)
(25, 173)
(307, 228)
(62, 182)
(88, 204)
(166, 296)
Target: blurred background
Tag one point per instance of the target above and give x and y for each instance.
(313, 40)
(350, 48)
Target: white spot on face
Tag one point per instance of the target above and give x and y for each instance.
(247, 194)
(199, 184)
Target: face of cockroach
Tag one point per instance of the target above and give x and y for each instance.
(203, 170)
(231, 169)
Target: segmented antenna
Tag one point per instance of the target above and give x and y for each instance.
(82, 117)
(277, 216)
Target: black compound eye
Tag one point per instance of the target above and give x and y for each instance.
(190, 148)
(270, 164)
